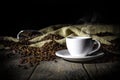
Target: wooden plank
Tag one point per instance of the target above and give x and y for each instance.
(91, 70)
(60, 70)
(103, 70)
(114, 70)
(109, 70)
(9, 69)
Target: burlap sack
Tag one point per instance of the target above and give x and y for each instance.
(93, 31)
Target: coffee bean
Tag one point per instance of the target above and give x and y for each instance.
(52, 37)
(34, 55)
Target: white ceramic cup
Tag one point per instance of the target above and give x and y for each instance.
(81, 46)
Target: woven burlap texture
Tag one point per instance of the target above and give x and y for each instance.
(74, 30)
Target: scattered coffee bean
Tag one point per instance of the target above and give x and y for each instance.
(105, 34)
(52, 37)
(34, 55)
(111, 48)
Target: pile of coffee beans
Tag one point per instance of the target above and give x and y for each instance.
(26, 35)
(33, 55)
(52, 37)
(105, 34)
(112, 48)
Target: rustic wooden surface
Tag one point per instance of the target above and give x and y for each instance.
(60, 69)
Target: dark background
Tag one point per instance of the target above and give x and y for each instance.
(35, 16)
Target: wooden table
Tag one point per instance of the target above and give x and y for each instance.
(104, 68)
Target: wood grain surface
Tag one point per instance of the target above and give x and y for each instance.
(104, 68)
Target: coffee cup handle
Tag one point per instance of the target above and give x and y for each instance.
(98, 47)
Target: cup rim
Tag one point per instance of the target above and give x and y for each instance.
(78, 37)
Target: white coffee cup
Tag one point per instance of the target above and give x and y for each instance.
(81, 46)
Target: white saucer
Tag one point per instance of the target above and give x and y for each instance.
(66, 55)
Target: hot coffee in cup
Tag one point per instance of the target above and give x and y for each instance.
(81, 46)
